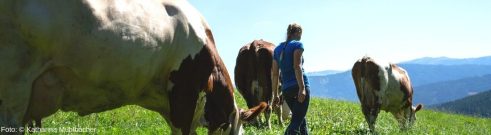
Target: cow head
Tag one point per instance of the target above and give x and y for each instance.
(202, 92)
(221, 113)
(408, 117)
(188, 103)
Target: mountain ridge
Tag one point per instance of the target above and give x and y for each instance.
(323, 72)
(484, 60)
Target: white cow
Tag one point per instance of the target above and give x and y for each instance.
(384, 87)
(90, 56)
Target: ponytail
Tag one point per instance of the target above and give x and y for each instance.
(292, 28)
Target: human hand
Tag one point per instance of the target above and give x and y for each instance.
(301, 95)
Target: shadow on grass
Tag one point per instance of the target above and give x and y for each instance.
(259, 125)
(355, 131)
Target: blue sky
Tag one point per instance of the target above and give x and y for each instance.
(338, 32)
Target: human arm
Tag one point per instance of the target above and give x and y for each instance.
(297, 66)
(275, 71)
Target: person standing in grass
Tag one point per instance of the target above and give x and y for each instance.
(288, 62)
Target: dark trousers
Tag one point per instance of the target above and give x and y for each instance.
(298, 123)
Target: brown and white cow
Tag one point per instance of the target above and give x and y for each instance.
(90, 56)
(384, 88)
(253, 76)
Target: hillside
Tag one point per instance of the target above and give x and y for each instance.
(340, 85)
(451, 61)
(441, 92)
(475, 105)
(325, 116)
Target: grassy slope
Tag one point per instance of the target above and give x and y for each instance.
(325, 117)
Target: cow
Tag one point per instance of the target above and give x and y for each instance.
(253, 77)
(90, 56)
(385, 88)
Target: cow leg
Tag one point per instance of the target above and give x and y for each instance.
(371, 115)
(148, 103)
(15, 96)
(280, 115)
(366, 113)
(372, 118)
(267, 116)
(282, 111)
(30, 127)
(285, 111)
(19, 66)
(15, 92)
(38, 123)
(46, 96)
(279, 111)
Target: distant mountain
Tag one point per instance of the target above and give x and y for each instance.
(426, 74)
(476, 105)
(451, 61)
(337, 86)
(341, 86)
(323, 73)
(441, 92)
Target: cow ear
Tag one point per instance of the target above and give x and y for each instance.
(419, 107)
(252, 113)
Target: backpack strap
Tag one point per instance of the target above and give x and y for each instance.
(282, 52)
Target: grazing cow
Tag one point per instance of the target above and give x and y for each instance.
(89, 56)
(253, 76)
(384, 88)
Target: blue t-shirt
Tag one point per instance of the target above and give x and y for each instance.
(286, 64)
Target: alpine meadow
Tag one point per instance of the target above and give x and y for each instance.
(325, 116)
(186, 67)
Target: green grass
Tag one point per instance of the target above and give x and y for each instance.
(325, 116)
